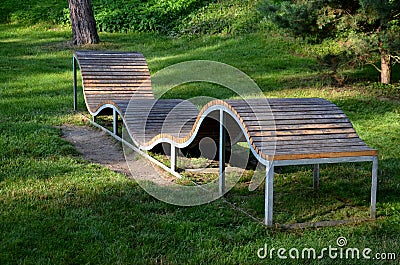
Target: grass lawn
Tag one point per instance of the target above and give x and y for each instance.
(56, 208)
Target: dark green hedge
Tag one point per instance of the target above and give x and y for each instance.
(166, 16)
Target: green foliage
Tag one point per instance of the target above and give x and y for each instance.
(139, 16)
(177, 17)
(32, 11)
(301, 19)
(165, 16)
(223, 16)
(57, 208)
(363, 28)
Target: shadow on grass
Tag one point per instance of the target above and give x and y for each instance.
(344, 194)
(98, 217)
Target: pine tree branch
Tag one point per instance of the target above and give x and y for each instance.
(396, 59)
(376, 67)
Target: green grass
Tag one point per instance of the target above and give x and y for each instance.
(56, 208)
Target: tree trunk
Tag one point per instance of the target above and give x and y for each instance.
(82, 21)
(386, 67)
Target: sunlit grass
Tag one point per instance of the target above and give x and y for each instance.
(57, 208)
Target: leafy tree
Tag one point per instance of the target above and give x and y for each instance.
(83, 24)
(362, 30)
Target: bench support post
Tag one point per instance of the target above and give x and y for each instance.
(222, 138)
(269, 194)
(316, 177)
(374, 186)
(75, 84)
(115, 122)
(174, 156)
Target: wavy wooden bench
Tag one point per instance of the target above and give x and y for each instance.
(296, 131)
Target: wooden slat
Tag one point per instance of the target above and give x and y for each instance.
(110, 86)
(124, 67)
(100, 73)
(302, 132)
(256, 123)
(259, 139)
(317, 142)
(294, 114)
(314, 146)
(95, 63)
(325, 155)
(108, 76)
(243, 108)
(274, 127)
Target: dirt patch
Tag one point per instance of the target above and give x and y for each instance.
(98, 147)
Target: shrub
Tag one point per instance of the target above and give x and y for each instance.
(223, 16)
(166, 16)
(32, 11)
(134, 15)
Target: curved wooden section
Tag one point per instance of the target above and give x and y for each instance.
(293, 129)
(276, 129)
(112, 76)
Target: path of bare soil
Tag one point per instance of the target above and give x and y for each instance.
(98, 147)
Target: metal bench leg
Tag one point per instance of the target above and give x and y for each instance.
(222, 138)
(115, 122)
(316, 177)
(174, 156)
(269, 194)
(75, 84)
(374, 186)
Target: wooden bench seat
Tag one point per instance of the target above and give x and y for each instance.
(302, 128)
(280, 131)
(109, 76)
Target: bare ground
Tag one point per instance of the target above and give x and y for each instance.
(98, 147)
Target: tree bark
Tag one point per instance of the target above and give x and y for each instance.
(386, 67)
(83, 23)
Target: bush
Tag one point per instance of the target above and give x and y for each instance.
(229, 17)
(33, 11)
(166, 16)
(134, 15)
